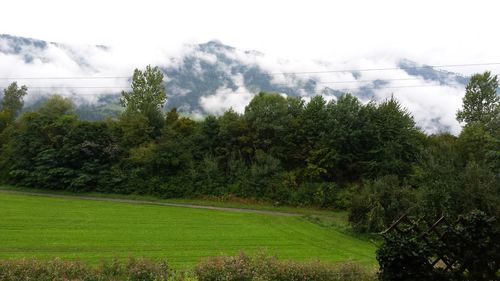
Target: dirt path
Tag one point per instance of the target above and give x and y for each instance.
(184, 205)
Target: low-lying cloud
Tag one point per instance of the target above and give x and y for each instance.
(432, 105)
(225, 99)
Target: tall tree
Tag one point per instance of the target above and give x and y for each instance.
(396, 141)
(481, 103)
(12, 103)
(349, 136)
(267, 115)
(57, 106)
(480, 138)
(147, 96)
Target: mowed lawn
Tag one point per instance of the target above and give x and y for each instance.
(42, 227)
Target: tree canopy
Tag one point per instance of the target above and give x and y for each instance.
(11, 103)
(147, 96)
(481, 103)
(367, 158)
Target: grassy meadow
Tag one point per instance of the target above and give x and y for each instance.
(42, 227)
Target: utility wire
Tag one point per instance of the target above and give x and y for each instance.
(72, 87)
(239, 85)
(385, 69)
(66, 78)
(355, 81)
(272, 73)
(322, 91)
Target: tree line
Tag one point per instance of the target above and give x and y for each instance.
(370, 159)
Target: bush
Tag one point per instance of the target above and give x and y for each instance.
(472, 243)
(57, 270)
(320, 194)
(236, 268)
(404, 259)
(41, 271)
(379, 203)
(225, 269)
(145, 270)
(265, 268)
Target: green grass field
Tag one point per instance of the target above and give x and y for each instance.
(41, 227)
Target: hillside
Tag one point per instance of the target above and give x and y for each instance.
(212, 77)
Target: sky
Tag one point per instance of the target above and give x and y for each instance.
(294, 35)
(437, 32)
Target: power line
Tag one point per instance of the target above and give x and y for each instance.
(239, 85)
(367, 81)
(66, 78)
(385, 69)
(382, 88)
(245, 92)
(356, 81)
(272, 73)
(74, 87)
(406, 86)
(284, 90)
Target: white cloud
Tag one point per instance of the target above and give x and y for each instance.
(433, 110)
(427, 104)
(207, 57)
(225, 99)
(74, 60)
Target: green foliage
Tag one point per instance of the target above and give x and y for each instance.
(135, 130)
(147, 96)
(436, 175)
(11, 104)
(472, 243)
(322, 194)
(452, 182)
(210, 179)
(233, 136)
(58, 270)
(241, 268)
(12, 100)
(264, 176)
(53, 149)
(280, 149)
(348, 139)
(56, 106)
(5, 120)
(265, 268)
(478, 144)
(379, 203)
(405, 259)
(481, 103)
(396, 141)
(480, 191)
(268, 120)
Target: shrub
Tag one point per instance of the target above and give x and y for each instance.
(471, 243)
(379, 203)
(265, 268)
(474, 241)
(226, 269)
(404, 259)
(145, 270)
(57, 270)
(44, 271)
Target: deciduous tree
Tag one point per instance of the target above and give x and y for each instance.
(481, 103)
(147, 96)
(11, 104)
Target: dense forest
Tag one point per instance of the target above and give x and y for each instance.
(370, 159)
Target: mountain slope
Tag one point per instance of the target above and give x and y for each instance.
(212, 77)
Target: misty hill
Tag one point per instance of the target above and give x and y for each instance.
(208, 78)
